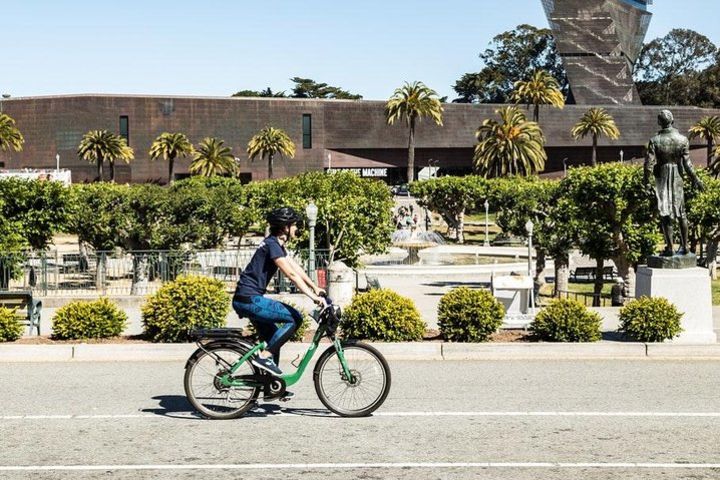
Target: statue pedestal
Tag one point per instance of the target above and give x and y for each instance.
(689, 290)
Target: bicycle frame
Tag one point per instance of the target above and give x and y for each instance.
(289, 378)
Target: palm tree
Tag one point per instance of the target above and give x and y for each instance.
(715, 165)
(410, 103)
(169, 146)
(541, 89)
(98, 145)
(515, 146)
(596, 122)
(10, 136)
(269, 142)
(708, 128)
(124, 153)
(212, 157)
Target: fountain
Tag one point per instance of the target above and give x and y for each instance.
(413, 241)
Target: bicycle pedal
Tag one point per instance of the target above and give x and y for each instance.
(285, 399)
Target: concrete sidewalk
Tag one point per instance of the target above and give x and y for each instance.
(137, 352)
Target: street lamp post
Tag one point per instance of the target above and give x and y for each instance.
(565, 166)
(622, 155)
(486, 243)
(57, 162)
(529, 228)
(311, 211)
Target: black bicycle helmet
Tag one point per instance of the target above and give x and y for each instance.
(281, 217)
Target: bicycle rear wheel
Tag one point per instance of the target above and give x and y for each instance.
(203, 387)
(367, 390)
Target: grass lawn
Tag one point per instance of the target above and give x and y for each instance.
(547, 290)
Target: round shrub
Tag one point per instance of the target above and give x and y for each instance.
(299, 333)
(182, 305)
(468, 315)
(88, 319)
(10, 326)
(382, 315)
(565, 320)
(649, 319)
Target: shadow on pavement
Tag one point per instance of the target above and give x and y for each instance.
(175, 406)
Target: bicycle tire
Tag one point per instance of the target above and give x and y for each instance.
(232, 352)
(328, 370)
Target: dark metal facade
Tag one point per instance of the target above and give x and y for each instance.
(344, 134)
(600, 42)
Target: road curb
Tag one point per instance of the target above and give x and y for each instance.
(418, 351)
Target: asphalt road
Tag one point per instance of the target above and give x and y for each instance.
(515, 420)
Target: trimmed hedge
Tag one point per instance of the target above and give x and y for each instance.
(468, 315)
(88, 319)
(10, 326)
(188, 302)
(650, 320)
(382, 315)
(565, 320)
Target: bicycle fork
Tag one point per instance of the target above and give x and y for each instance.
(346, 373)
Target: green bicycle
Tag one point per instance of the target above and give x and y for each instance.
(352, 379)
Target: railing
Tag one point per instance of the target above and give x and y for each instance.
(131, 273)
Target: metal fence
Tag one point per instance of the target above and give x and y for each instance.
(134, 272)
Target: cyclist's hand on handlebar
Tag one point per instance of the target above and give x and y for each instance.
(320, 301)
(320, 292)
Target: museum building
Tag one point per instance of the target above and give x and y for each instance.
(598, 41)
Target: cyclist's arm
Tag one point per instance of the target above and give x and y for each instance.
(303, 275)
(286, 267)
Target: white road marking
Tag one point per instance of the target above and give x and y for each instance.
(326, 466)
(299, 413)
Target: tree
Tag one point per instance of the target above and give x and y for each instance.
(354, 214)
(612, 216)
(269, 142)
(410, 103)
(541, 89)
(10, 136)
(98, 145)
(517, 200)
(207, 210)
(707, 128)
(12, 248)
(513, 147)
(451, 197)
(169, 146)
(41, 208)
(715, 166)
(96, 220)
(704, 214)
(668, 68)
(596, 122)
(513, 55)
(212, 157)
(307, 88)
(124, 153)
(262, 93)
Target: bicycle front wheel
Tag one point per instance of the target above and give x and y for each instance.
(204, 389)
(360, 395)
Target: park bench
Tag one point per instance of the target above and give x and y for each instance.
(23, 302)
(588, 273)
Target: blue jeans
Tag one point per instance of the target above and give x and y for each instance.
(274, 321)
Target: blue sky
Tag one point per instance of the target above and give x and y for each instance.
(216, 47)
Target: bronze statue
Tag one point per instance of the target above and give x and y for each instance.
(668, 155)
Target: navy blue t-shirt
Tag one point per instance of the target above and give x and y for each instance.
(256, 276)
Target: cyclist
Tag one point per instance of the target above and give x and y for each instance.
(274, 321)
